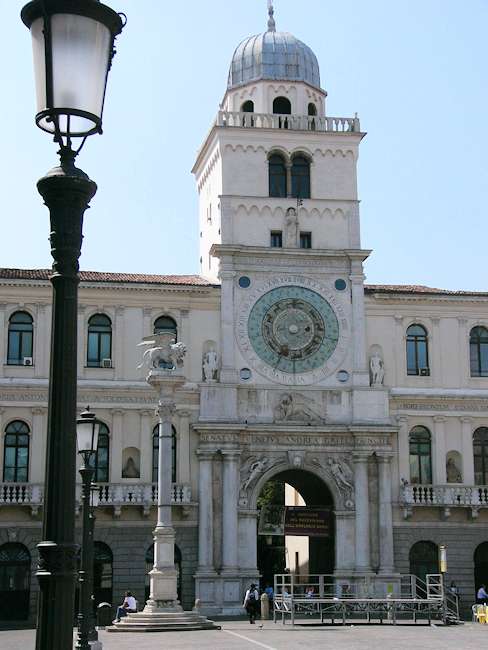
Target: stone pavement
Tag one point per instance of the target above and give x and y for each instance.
(239, 635)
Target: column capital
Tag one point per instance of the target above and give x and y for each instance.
(183, 413)
(462, 321)
(166, 409)
(184, 313)
(440, 418)
(227, 275)
(467, 419)
(384, 457)
(402, 419)
(147, 311)
(38, 410)
(230, 454)
(205, 454)
(357, 278)
(360, 456)
(116, 412)
(146, 414)
(119, 310)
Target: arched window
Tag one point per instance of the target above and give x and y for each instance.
(150, 564)
(424, 559)
(16, 453)
(277, 176)
(417, 351)
(20, 338)
(300, 177)
(282, 106)
(166, 324)
(100, 461)
(102, 573)
(478, 351)
(15, 572)
(155, 463)
(480, 566)
(247, 107)
(480, 453)
(312, 109)
(99, 341)
(420, 456)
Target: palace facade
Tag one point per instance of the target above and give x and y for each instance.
(369, 399)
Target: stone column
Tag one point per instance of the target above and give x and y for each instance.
(248, 520)
(359, 327)
(146, 428)
(361, 494)
(163, 594)
(400, 351)
(227, 372)
(464, 369)
(41, 342)
(183, 457)
(403, 448)
(82, 334)
(288, 179)
(385, 515)
(467, 447)
(3, 338)
(436, 369)
(38, 445)
(147, 321)
(117, 446)
(205, 511)
(118, 351)
(230, 489)
(439, 449)
(184, 334)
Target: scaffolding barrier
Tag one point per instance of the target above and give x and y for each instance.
(330, 598)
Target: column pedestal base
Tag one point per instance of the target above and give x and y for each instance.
(164, 619)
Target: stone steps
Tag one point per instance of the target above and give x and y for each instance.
(163, 622)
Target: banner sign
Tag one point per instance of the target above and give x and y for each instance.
(295, 520)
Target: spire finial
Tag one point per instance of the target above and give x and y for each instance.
(271, 20)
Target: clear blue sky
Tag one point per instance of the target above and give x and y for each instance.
(414, 70)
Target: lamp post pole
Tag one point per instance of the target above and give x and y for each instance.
(67, 192)
(86, 572)
(92, 631)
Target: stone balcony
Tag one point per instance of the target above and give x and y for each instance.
(446, 497)
(114, 495)
(291, 122)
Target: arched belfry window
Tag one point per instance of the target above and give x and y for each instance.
(312, 109)
(417, 351)
(478, 351)
(277, 176)
(99, 348)
(420, 456)
(166, 324)
(300, 177)
(480, 455)
(247, 107)
(155, 458)
(282, 106)
(16, 452)
(20, 338)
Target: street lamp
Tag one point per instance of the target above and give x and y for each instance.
(87, 428)
(73, 46)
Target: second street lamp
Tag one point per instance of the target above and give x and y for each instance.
(73, 47)
(87, 428)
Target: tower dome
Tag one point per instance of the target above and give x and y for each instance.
(274, 56)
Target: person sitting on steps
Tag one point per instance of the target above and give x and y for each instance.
(129, 606)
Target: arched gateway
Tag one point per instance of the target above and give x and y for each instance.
(346, 472)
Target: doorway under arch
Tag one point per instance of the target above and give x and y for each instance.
(313, 553)
(481, 566)
(15, 570)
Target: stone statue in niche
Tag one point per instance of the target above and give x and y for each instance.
(255, 469)
(164, 354)
(453, 474)
(291, 229)
(210, 365)
(130, 469)
(295, 408)
(376, 370)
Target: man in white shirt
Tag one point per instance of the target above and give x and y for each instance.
(251, 603)
(128, 606)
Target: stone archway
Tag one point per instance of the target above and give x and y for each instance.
(301, 553)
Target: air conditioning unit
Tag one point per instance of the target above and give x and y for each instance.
(106, 363)
(424, 372)
(27, 361)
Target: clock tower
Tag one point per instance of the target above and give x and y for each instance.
(279, 228)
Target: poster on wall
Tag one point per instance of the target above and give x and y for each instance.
(272, 520)
(311, 522)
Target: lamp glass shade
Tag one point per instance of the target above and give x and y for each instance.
(81, 54)
(87, 428)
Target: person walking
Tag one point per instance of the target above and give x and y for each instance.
(251, 602)
(129, 606)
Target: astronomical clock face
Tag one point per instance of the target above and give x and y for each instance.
(292, 329)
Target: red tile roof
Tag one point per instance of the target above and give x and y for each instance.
(98, 276)
(418, 288)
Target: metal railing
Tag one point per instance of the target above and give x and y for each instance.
(291, 122)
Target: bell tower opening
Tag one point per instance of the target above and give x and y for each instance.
(296, 531)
